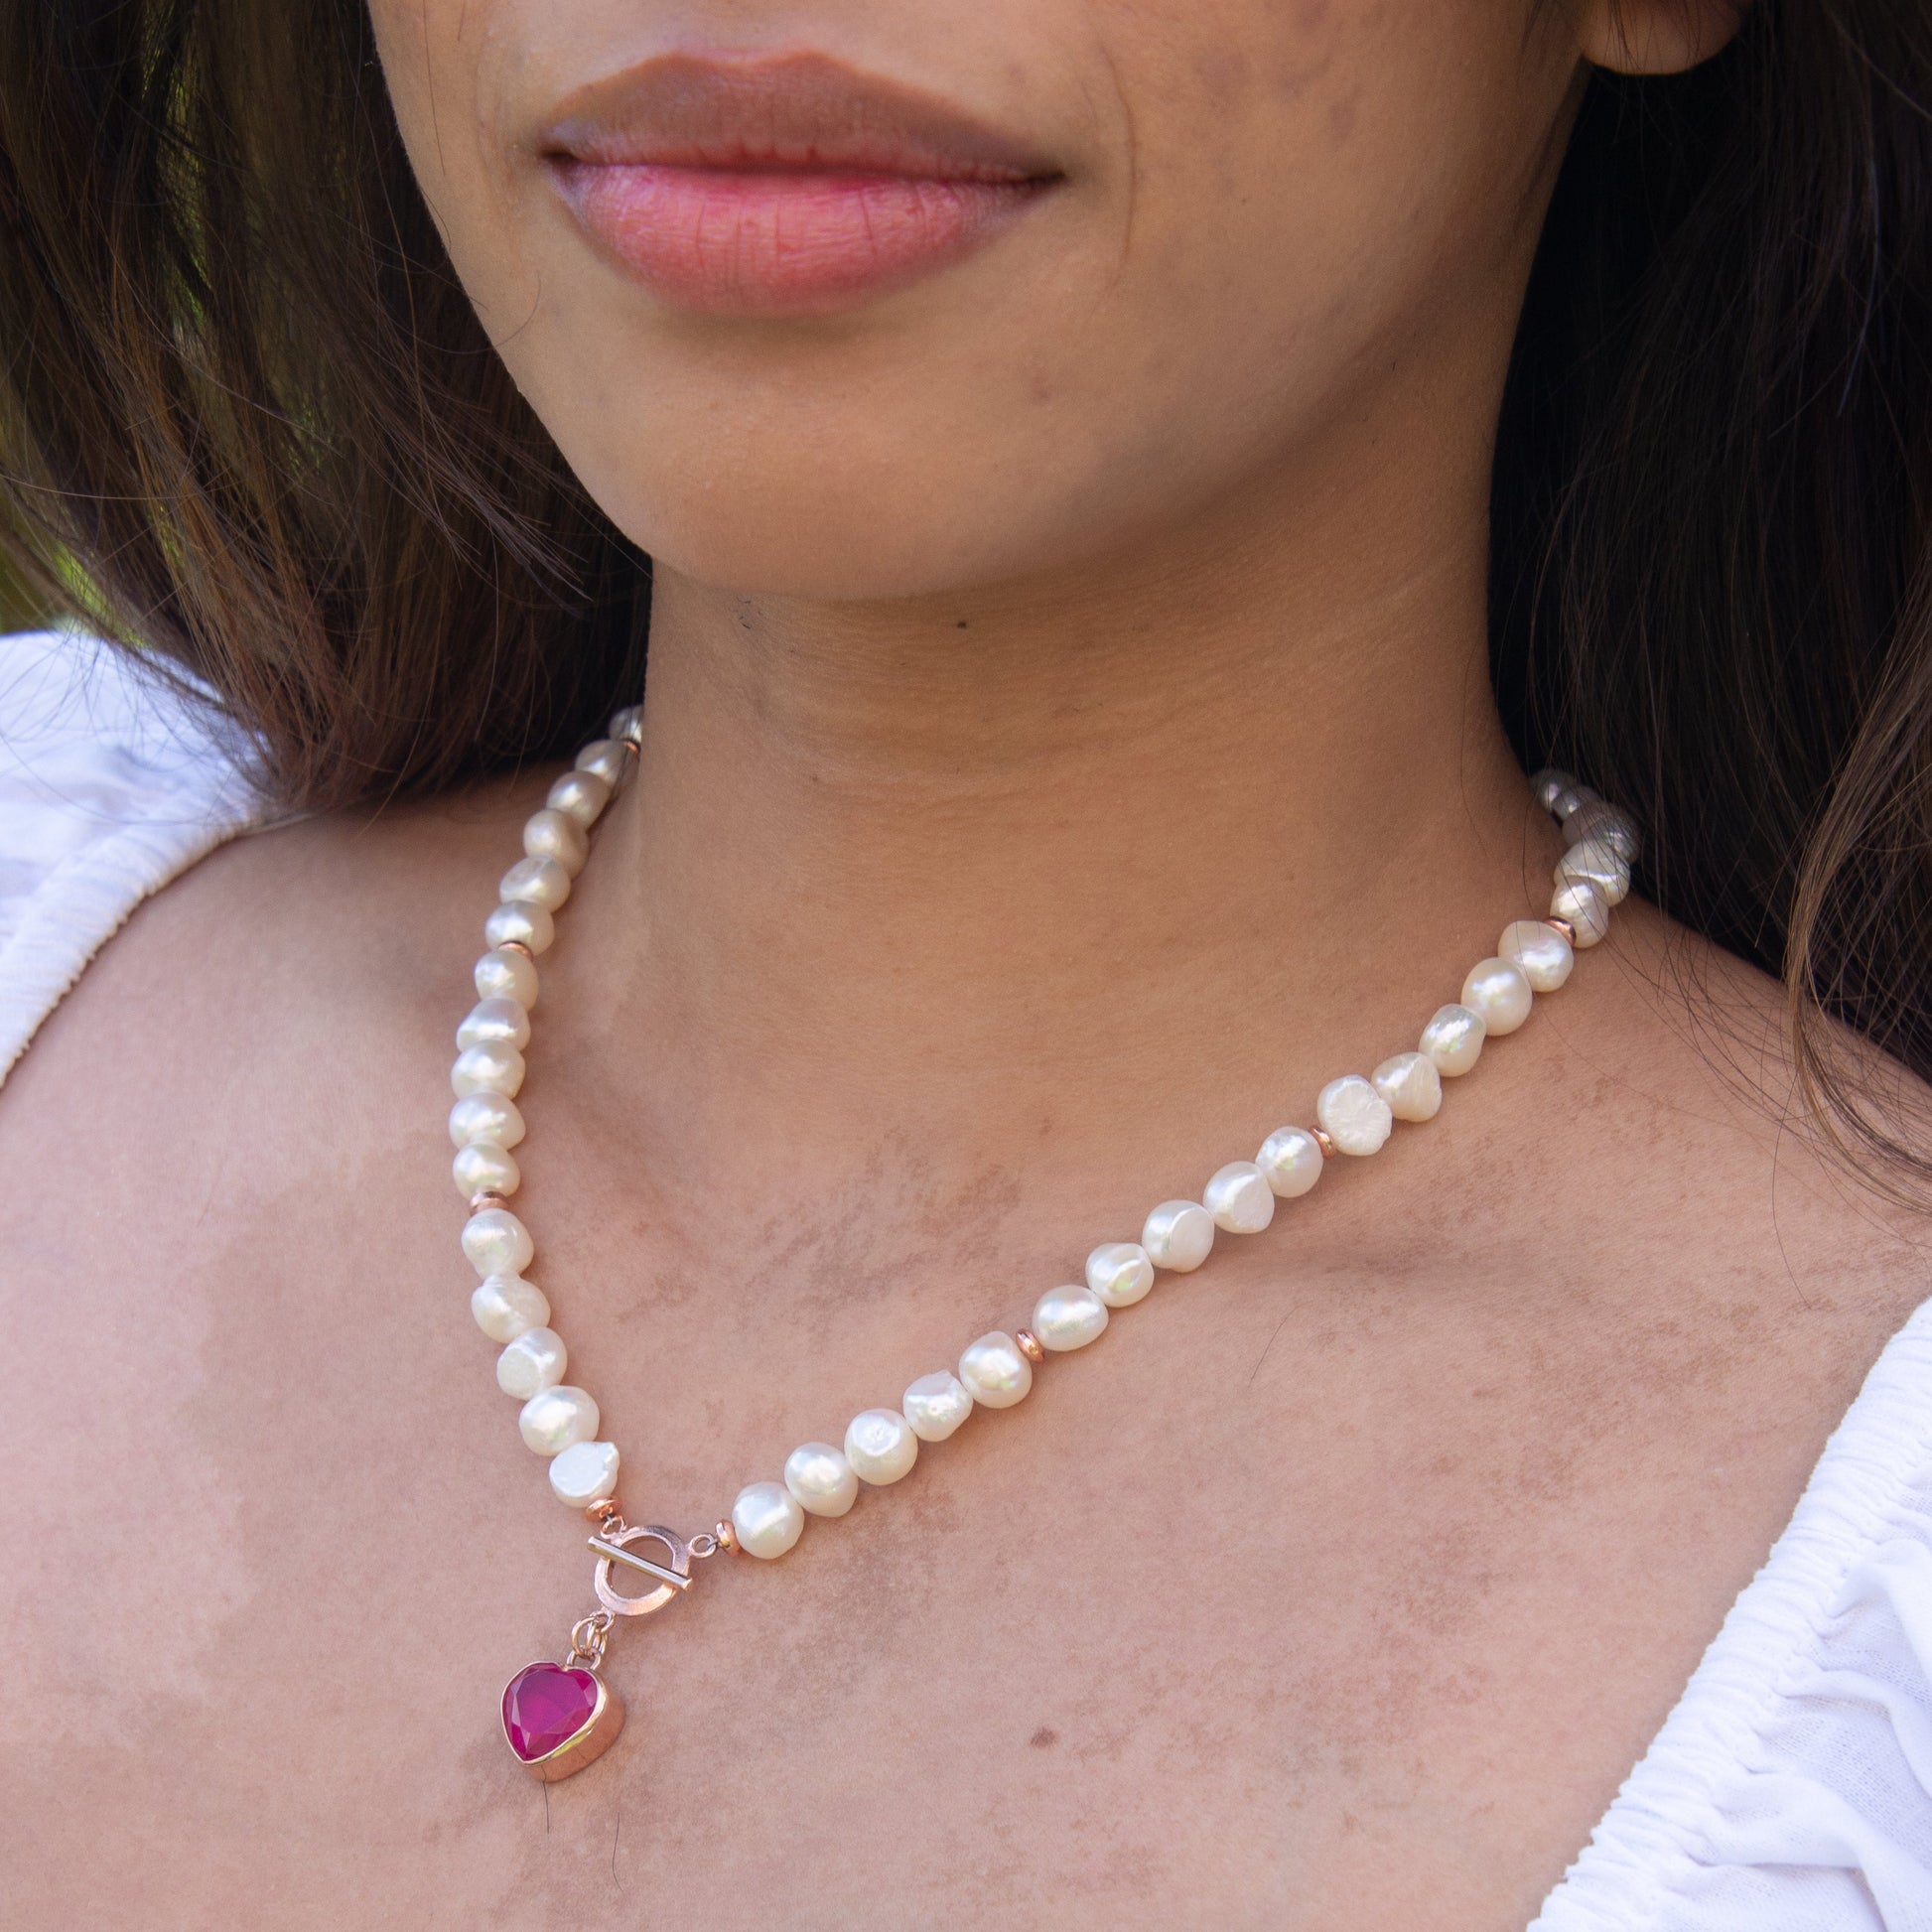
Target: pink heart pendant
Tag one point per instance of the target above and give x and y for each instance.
(559, 1720)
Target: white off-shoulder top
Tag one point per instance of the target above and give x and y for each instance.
(1791, 1788)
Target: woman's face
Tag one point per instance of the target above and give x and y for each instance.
(861, 298)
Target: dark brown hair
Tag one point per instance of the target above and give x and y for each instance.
(248, 420)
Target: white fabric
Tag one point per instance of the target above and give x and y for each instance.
(1791, 1788)
(110, 787)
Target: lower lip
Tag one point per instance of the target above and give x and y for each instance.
(735, 242)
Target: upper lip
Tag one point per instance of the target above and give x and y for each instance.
(782, 113)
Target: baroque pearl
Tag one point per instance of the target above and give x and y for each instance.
(1238, 1199)
(1291, 1158)
(504, 975)
(1120, 1273)
(1549, 785)
(935, 1405)
(506, 1305)
(1179, 1235)
(1453, 1040)
(551, 834)
(767, 1519)
(482, 1167)
(581, 795)
(1593, 861)
(522, 920)
(1583, 905)
(490, 1021)
(492, 1067)
(1609, 825)
(498, 1243)
(1543, 954)
(1411, 1085)
(881, 1445)
(485, 1116)
(1068, 1317)
(1497, 992)
(1354, 1115)
(534, 1361)
(583, 1473)
(995, 1372)
(555, 1419)
(821, 1479)
(607, 757)
(1571, 801)
(535, 881)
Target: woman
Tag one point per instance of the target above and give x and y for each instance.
(1091, 676)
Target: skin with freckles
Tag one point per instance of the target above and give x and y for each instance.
(1068, 746)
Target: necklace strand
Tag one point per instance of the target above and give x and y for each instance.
(559, 1717)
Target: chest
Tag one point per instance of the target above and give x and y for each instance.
(1357, 1580)
(1338, 1584)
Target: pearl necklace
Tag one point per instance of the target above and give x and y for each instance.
(559, 1717)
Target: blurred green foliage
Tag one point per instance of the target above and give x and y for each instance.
(19, 609)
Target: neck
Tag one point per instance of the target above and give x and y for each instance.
(1136, 857)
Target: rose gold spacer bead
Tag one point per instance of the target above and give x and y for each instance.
(1321, 1140)
(1564, 927)
(517, 945)
(478, 1202)
(1028, 1344)
(604, 1510)
(726, 1538)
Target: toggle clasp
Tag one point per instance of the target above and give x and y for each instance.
(611, 1545)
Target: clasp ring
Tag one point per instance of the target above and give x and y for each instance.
(673, 1579)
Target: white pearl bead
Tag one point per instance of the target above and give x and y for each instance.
(585, 1473)
(1597, 863)
(495, 1020)
(498, 1243)
(1609, 825)
(1354, 1115)
(506, 1305)
(1291, 1158)
(626, 722)
(581, 795)
(485, 1117)
(1068, 1317)
(1498, 995)
(1120, 1273)
(821, 1479)
(1571, 801)
(1543, 954)
(482, 1167)
(535, 881)
(528, 923)
(1240, 1198)
(553, 1419)
(506, 975)
(1411, 1085)
(881, 1445)
(556, 835)
(1179, 1235)
(607, 758)
(1583, 905)
(1453, 1040)
(1549, 785)
(767, 1519)
(995, 1372)
(531, 1363)
(935, 1405)
(495, 1066)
